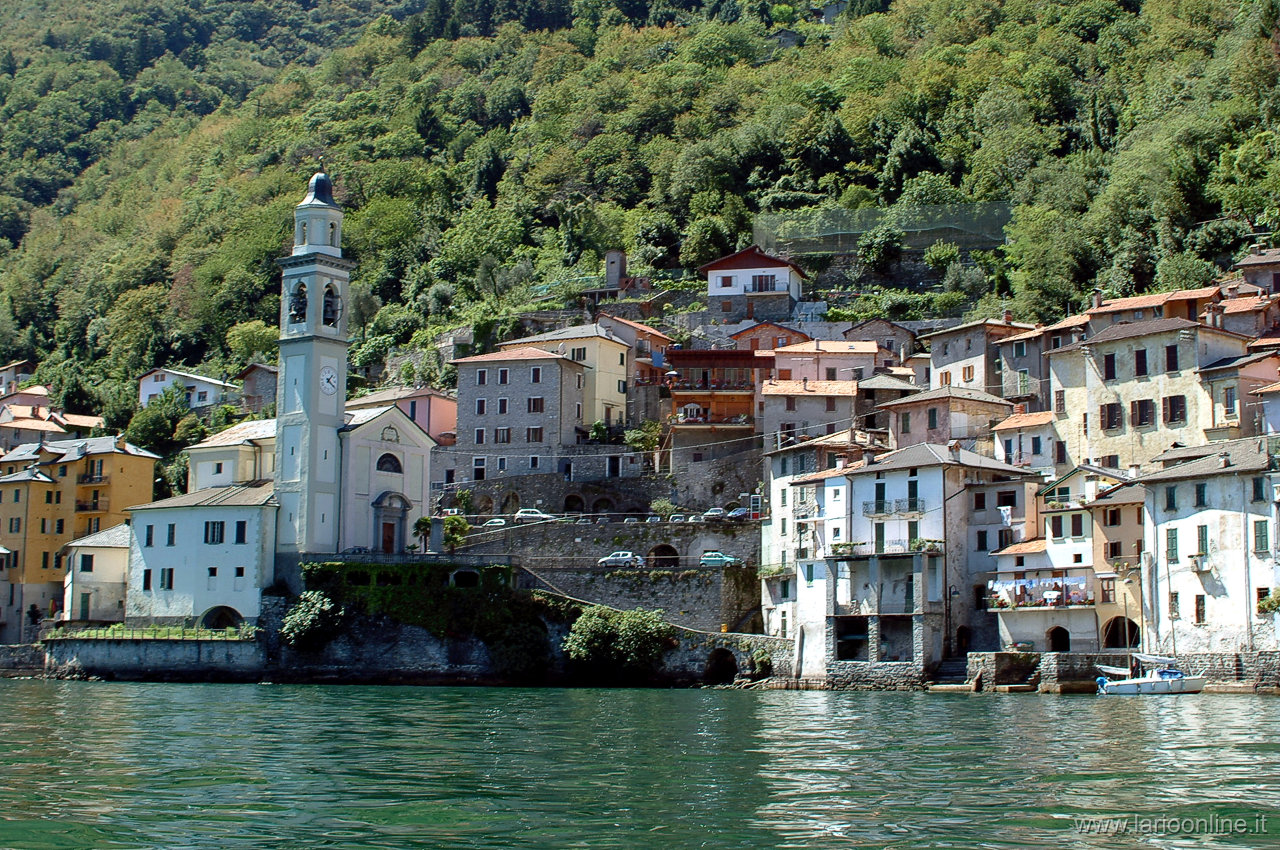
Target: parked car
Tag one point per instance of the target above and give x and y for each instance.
(653, 518)
(718, 559)
(696, 518)
(712, 514)
(632, 519)
(493, 523)
(532, 515)
(584, 521)
(676, 518)
(738, 515)
(621, 559)
(356, 550)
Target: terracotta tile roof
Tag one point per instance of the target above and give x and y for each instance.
(1026, 420)
(1153, 299)
(244, 432)
(1066, 324)
(817, 388)
(527, 353)
(1246, 304)
(29, 424)
(824, 474)
(1026, 547)
(81, 420)
(1267, 390)
(831, 346)
(637, 325)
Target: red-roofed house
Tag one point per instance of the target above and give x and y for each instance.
(752, 285)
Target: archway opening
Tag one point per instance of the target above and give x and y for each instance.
(664, 557)
(220, 617)
(1120, 633)
(1058, 639)
(964, 640)
(484, 505)
(390, 511)
(511, 503)
(602, 506)
(574, 504)
(722, 667)
(465, 578)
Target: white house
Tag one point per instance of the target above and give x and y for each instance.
(97, 575)
(200, 391)
(203, 558)
(752, 284)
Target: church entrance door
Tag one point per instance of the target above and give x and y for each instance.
(388, 537)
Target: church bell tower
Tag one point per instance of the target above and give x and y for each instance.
(312, 390)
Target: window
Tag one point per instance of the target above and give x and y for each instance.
(944, 379)
(1108, 367)
(1200, 608)
(1005, 536)
(504, 376)
(784, 374)
(48, 497)
(390, 463)
(1229, 401)
(535, 375)
(242, 531)
(1107, 590)
(57, 498)
(1111, 517)
(1007, 499)
(15, 525)
(1171, 498)
(1175, 409)
(1259, 489)
(726, 281)
(578, 354)
(1142, 412)
(831, 404)
(1019, 349)
(57, 526)
(502, 464)
(1035, 445)
(783, 527)
(477, 468)
(1008, 450)
(1140, 363)
(966, 373)
(166, 578)
(533, 435)
(1202, 495)
(790, 403)
(502, 435)
(44, 525)
(1171, 358)
(932, 416)
(479, 436)
(1174, 613)
(1171, 544)
(1115, 549)
(1077, 525)
(580, 380)
(149, 537)
(1202, 540)
(214, 531)
(482, 377)
(577, 411)
(904, 420)
(831, 373)
(622, 387)
(1055, 527)
(146, 579)
(213, 572)
(764, 283)
(1110, 417)
(17, 496)
(481, 406)
(1059, 401)
(1261, 536)
(172, 534)
(533, 461)
(502, 407)
(982, 541)
(535, 404)
(979, 501)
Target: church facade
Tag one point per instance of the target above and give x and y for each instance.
(316, 481)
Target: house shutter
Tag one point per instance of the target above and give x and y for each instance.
(1164, 408)
(1133, 411)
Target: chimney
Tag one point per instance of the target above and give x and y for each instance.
(1224, 459)
(1134, 470)
(1019, 408)
(1008, 316)
(1097, 297)
(953, 448)
(805, 384)
(1255, 248)
(1233, 290)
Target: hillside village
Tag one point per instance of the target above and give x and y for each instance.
(903, 492)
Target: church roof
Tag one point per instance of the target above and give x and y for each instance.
(236, 435)
(319, 191)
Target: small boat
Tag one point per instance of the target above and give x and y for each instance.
(1163, 677)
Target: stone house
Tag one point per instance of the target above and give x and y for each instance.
(1261, 268)
(14, 373)
(965, 355)
(1210, 535)
(765, 336)
(1133, 389)
(751, 284)
(891, 336)
(874, 392)
(791, 409)
(257, 387)
(607, 359)
(944, 414)
(1180, 304)
(1119, 520)
(97, 576)
(1023, 367)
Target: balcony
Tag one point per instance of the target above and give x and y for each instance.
(713, 386)
(1039, 594)
(887, 547)
(91, 506)
(765, 286)
(98, 478)
(741, 419)
(908, 506)
(878, 507)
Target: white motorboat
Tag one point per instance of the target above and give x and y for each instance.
(1160, 675)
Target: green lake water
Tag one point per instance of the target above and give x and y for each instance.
(126, 765)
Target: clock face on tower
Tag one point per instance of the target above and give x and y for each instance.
(328, 380)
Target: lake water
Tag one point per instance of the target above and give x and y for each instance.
(107, 765)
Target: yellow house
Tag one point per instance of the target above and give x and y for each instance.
(608, 361)
(51, 494)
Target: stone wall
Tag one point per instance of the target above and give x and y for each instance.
(1001, 668)
(875, 676)
(1075, 672)
(155, 660)
(689, 661)
(1059, 672)
(20, 659)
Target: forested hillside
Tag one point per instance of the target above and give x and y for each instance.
(488, 152)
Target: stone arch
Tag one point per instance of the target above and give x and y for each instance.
(664, 557)
(298, 303)
(390, 512)
(1058, 639)
(721, 668)
(390, 463)
(1114, 637)
(220, 617)
(633, 508)
(333, 234)
(332, 307)
(574, 504)
(483, 504)
(464, 578)
(511, 502)
(602, 506)
(964, 640)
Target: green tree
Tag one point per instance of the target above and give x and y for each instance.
(248, 340)
(456, 529)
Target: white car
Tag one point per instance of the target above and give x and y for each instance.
(713, 514)
(676, 518)
(493, 523)
(621, 559)
(531, 515)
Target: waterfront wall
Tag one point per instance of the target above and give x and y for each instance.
(20, 660)
(157, 660)
(1076, 672)
(875, 675)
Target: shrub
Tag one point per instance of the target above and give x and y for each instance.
(617, 645)
(521, 652)
(1271, 604)
(311, 622)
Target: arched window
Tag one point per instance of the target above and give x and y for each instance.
(302, 233)
(333, 235)
(330, 314)
(389, 463)
(298, 305)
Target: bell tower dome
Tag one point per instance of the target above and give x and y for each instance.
(312, 391)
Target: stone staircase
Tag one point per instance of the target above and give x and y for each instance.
(951, 675)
